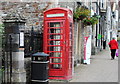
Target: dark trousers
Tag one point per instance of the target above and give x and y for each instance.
(104, 44)
(113, 53)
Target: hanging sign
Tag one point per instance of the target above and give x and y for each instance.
(99, 36)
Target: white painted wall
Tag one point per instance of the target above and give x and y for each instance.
(108, 21)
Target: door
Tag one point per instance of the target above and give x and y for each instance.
(55, 46)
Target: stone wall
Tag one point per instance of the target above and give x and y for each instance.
(0, 47)
(28, 69)
(32, 12)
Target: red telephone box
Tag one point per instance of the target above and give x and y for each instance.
(58, 40)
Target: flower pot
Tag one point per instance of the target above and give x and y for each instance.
(81, 17)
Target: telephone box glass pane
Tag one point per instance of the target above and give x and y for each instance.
(55, 31)
(55, 54)
(55, 48)
(54, 43)
(55, 37)
(70, 45)
(54, 24)
(56, 60)
(56, 66)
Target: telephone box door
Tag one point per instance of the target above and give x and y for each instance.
(55, 47)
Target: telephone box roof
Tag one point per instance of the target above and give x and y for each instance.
(58, 8)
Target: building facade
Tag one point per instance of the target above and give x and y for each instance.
(104, 30)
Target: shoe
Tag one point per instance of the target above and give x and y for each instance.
(112, 59)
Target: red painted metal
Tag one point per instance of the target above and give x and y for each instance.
(58, 40)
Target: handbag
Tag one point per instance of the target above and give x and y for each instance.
(116, 53)
(109, 45)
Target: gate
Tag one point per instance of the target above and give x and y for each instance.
(33, 42)
(10, 40)
(7, 58)
(1, 53)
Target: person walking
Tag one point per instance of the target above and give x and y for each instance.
(104, 44)
(113, 46)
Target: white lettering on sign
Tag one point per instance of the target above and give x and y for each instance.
(56, 15)
(21, 39)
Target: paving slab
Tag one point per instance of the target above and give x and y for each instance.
(101, 69)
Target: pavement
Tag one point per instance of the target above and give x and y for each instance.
(101, 69)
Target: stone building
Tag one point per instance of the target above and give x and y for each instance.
(33, 13)
(119, 22)
(111, 20)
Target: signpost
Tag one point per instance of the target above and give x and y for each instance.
(87, 49)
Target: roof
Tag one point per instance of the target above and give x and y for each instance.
(60, 8)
